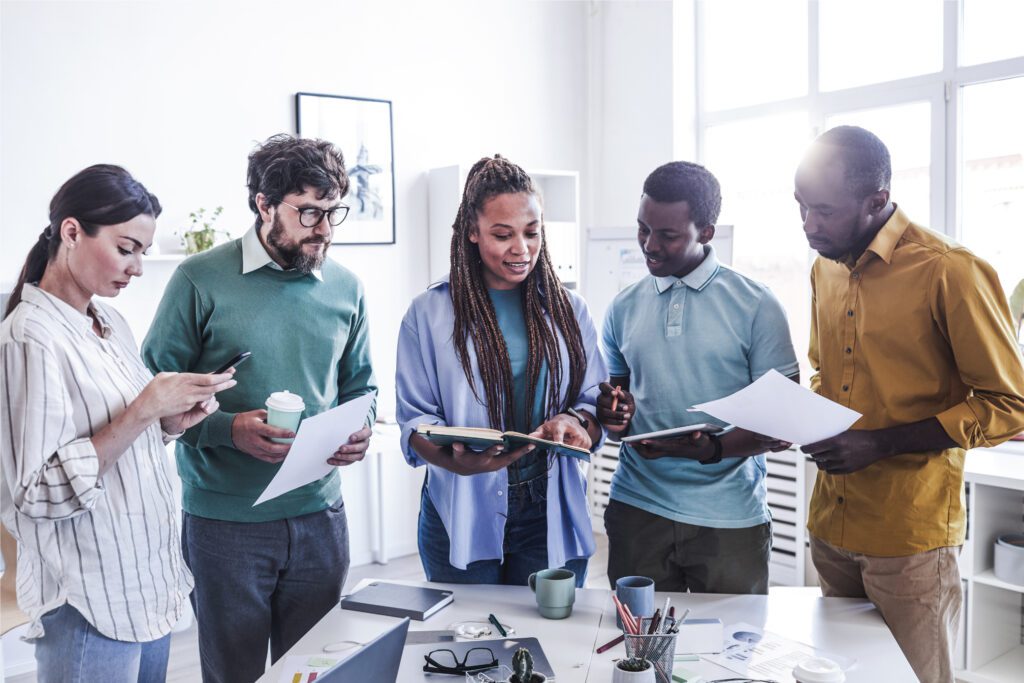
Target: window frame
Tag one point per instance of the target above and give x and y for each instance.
(941, 89)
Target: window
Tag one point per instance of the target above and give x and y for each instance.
(940, 82)
(992, 176)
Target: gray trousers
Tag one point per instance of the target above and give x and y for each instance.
(261, 583)
(684, 557)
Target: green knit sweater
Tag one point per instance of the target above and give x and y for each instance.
(306, 336)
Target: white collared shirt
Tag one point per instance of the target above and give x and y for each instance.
(255, 255)
(107, 544)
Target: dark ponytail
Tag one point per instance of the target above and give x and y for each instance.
(100, 195)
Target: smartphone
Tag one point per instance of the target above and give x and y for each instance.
(232, 363)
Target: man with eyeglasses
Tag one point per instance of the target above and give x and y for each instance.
(266, 573)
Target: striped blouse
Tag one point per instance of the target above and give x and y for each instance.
(108, 545)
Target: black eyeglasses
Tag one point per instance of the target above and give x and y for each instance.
(310, 217)
(447, 662)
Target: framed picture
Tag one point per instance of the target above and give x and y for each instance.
(362, 128)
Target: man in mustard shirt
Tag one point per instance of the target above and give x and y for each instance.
(911, 330)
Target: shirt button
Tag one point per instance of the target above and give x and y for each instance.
(675, 306)
(855, 276)
(501, 493)
(846, 387)
(849, 350)
(849, 313)
(841, 500)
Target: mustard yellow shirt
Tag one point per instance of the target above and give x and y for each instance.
(918, 327)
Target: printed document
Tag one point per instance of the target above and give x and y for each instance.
(778, 407)
(317, 439)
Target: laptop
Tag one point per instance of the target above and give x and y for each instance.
(375, 662)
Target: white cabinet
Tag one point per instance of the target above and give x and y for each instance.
(560, 193)
(994, 611)
(382, 500)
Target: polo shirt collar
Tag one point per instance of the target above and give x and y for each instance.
(65, 312)
(697, 279)
(255, 256)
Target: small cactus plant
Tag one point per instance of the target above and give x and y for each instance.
(522, 665)
(634, 664)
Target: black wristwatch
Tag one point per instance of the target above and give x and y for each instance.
(717, 455)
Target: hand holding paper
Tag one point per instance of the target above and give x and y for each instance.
(776, 406)
(316, 441)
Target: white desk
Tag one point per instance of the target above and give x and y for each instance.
(852, 628)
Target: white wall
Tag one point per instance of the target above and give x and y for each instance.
(178, 92)
(632, 90)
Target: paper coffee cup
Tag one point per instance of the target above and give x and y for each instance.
(284, 410)
(818, 670)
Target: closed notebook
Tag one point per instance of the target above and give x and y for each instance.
(480, 439)
(396, 600)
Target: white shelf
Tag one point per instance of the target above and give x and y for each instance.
(989, 579)
(1006, 668)
(1001, 466)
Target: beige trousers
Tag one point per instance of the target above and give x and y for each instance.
(919, 597)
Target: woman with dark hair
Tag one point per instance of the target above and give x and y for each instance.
(500, 343)
(86, 488)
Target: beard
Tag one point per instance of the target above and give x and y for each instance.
(292, 253)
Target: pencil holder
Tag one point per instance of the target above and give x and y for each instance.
(659, 649)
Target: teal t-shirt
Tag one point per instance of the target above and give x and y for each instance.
(529, 414)
(684, 341)
(306, 335)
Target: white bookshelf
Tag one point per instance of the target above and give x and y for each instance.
(561, 199)
(993, 633)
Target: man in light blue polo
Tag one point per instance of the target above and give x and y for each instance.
(690, 512)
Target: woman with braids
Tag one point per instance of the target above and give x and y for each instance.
(86, 488)
(500, 343)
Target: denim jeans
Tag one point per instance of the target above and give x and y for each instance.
(73, 651)
(525, 544)
(259, 582)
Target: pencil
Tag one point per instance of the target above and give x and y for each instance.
(615, 397)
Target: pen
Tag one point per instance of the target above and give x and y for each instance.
(497, 624)
(655, 623)
(583, 421)
(615, 397)
(611, 643)
(675, 627)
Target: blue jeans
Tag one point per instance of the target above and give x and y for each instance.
(259, 582)
(73, 651)
(525, 544)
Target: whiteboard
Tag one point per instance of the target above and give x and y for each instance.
(614, 261)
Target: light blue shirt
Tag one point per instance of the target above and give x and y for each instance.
(683, 341)
(431, 388)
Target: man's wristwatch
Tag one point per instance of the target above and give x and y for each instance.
(717, 455)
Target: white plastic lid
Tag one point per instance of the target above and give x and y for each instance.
(286, 401)
(818, 670)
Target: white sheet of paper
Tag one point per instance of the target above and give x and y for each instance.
(318, 437)
(778, 407)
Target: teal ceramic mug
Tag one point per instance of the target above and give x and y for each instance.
(556, 592)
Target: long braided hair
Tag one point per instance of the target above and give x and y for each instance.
(546, 306)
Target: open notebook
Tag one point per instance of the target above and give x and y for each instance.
(480, 439)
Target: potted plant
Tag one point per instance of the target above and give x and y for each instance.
(633, 670)
(197, 239)
(522, 667)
